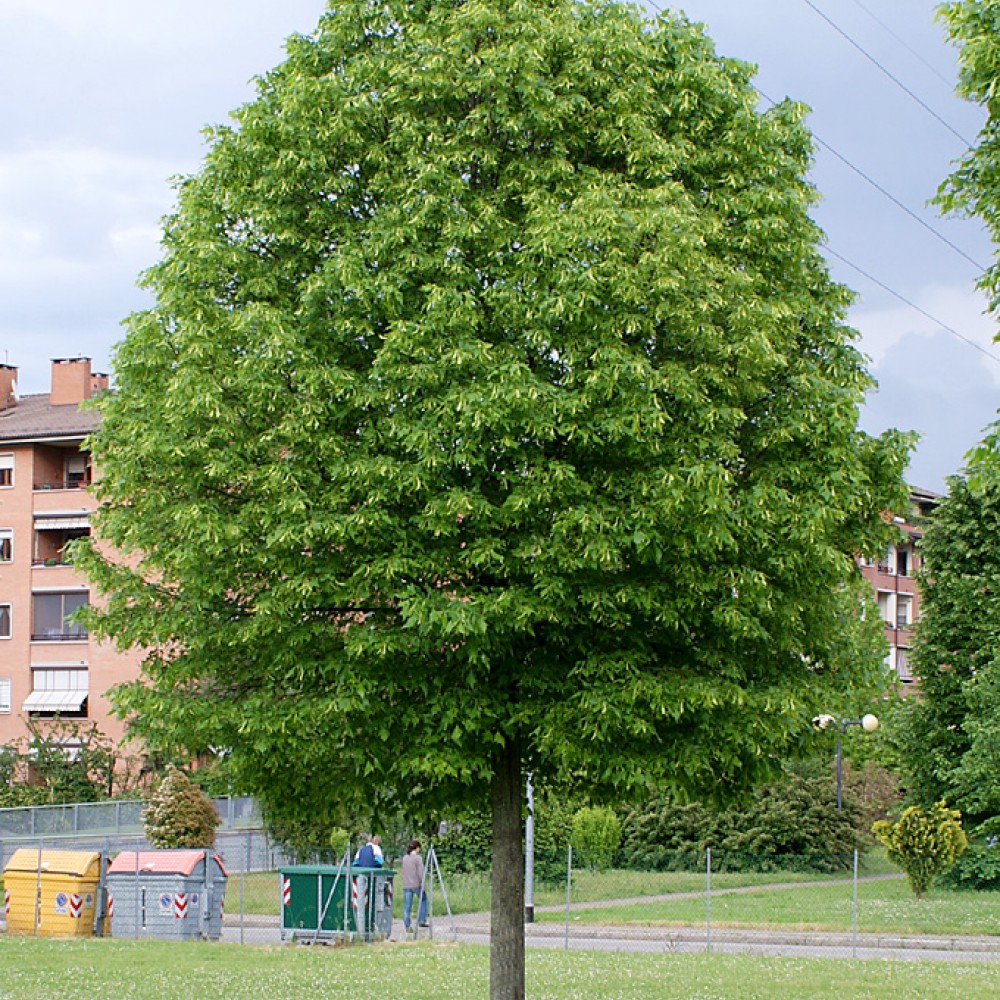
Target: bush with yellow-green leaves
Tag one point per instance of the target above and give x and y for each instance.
(923, 843)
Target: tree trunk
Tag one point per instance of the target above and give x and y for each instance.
(507, 896)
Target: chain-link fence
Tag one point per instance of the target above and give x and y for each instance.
(854, 906)
(827, 906)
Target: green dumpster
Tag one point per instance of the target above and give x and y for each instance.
(319, 902)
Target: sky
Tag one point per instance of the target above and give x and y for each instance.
(104, 102)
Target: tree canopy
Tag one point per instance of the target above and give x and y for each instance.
(946, 735)
(496, 409)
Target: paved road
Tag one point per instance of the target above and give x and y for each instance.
(474, 929)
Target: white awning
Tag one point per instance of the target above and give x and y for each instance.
(55, 701)
(62, 523)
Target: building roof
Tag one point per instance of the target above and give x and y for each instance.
(34, 418)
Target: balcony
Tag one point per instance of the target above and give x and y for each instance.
(68, 483)
(73, 635)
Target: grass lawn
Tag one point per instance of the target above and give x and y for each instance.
(80, 969)
(882, 906)
(471, 893)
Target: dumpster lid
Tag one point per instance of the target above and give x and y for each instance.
(163, 862)
(332, 870)
(26, 859)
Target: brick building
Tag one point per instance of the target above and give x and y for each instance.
(893, 579)
(49, 666)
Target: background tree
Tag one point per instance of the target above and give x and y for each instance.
(923, 842)
(955, 729)
(496, 409)
(956, 642)
(179, 814)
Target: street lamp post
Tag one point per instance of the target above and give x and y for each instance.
(867, 723)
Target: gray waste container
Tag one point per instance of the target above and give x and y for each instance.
(170, 895)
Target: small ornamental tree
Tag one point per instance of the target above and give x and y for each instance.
(923, 843)
(179, 814)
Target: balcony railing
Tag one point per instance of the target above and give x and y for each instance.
(73, 483)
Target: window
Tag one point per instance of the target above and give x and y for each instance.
(4, 621)
(885, 607)
(52, 613)
(6, 545)
(76, 471)
(4, 696)
(903, 665)
(6, 470)
(904, 611)
(902, 562)
(53, 532)
(58, 690)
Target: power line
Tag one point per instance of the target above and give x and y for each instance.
(860, 270)
(909, 48)
(888, 194)
(909, 302)
(899, 83)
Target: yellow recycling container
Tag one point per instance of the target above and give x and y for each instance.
(52, 892)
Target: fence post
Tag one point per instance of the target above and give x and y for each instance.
(248, 840)
(38, 888)
(708, 899)
(569, 887)
(348, 889)
(854, 908)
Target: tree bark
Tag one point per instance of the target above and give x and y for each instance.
(507, 887)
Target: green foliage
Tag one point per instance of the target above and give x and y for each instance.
(948, 737)
(923, 843)
(978, 867)
(789, 823)
(495, 408)
(973, 188)
(467, 845)
(595, 833)
(477, 379)
(874, 792)
(17, 795)
(179, 813)
(61, 762)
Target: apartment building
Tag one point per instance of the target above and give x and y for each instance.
(892, 577)
(49, 666)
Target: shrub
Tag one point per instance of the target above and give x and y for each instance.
(594, 833)
(789, 824)
(179, 814)
(976, 868)
(923, 843)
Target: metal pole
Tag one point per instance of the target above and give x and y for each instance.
(708, 899)
(854, 908)
(529, 855)
(839, 775)
(38, 889)
(243, 880)
(569, 886)
(348, 884)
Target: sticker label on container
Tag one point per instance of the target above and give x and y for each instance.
(62, 902)
(166, 902)
(195, 897)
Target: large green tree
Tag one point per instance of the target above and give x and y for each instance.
(954, 655)
(954, 736)
(496, 409)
